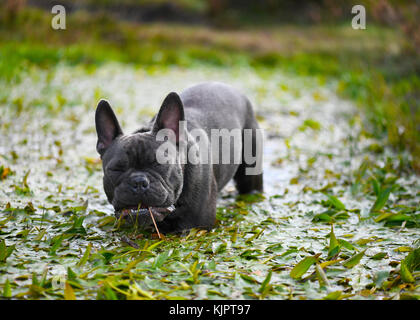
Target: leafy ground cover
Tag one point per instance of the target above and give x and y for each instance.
(339, 218)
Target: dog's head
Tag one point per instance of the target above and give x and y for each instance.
(132, 175)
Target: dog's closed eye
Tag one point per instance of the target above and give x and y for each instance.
(116, 170)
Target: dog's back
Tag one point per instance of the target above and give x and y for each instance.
(215, 105)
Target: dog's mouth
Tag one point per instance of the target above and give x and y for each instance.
(141, 214)
(142, 208)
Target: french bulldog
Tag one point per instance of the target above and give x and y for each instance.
(181, 194)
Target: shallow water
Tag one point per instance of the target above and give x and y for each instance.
(314, 143)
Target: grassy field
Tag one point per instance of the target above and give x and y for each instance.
(339, 218)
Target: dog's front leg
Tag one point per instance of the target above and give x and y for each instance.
(193, 213)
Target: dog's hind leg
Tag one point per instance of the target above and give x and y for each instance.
(248, 178)
(247, 183)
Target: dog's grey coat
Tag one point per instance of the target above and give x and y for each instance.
(132, 175)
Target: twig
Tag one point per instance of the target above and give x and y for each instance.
(129, 242)
(402, 226)
(154, 222)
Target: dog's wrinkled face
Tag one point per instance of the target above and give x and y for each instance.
(132, 176)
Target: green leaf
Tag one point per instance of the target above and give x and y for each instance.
(5, 251)
(250, 254)
(248, 278)
(71, 275)
(107, 255)
(393, 218)
(375, 186)
(335, 202)
(333, 252)
(68, 292)
(160, 259)
(25, 179)
(9, 250)
(40, 235)
(221, 248)
(212, 265)
(412, 260)
(86, 256)
(383, 216)
(265, 282)
(44, 278)
(310, 123)
(153, 246)
(335, 295)
(398, 217)
(303, 266)
(409, 296)
(405, 273)
(274, 247)
(324, 216)
(106, 220)
(255, 236)
(35, 281)
(381, 199)
(346, 244)
(77, 227)
(56, 243)
(334, 247)
(362, 242)
(7, 290)
(354, 260)
(330, 215)
(379, 256)
(132, 264)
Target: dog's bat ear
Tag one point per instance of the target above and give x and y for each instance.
(170, 114)
(107, 126)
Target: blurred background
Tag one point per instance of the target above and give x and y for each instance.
(377, 68)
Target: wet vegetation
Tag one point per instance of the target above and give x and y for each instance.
(340, 215)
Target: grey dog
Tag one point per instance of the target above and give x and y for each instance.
(180, 195)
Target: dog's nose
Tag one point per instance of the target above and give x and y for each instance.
(139, 183)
